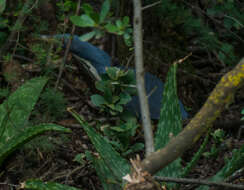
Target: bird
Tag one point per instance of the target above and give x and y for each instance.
(100, 60)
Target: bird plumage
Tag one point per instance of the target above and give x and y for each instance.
(100, 60)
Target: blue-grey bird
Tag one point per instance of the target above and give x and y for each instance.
(100, 60)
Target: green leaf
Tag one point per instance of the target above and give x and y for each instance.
(111, 28)
(113, 72)
(108, 94)
(108, 180)
(242, 111)
(2, 6)
(127, 39)
(80, 158)
(115, 107)
(87, 8)
(119, 24)
(118, 128)
(115, 99)
(19, 106)
(103, 85)
(130, 78)
(86, 37)
(124, 98)
(83, 21)
(104, 11)
(98, 100)
(117, 165)
(134, 148)
(233, 164)
(126, 21)
(170, 121)
(90, 12)
(25, 136)
(36, 184)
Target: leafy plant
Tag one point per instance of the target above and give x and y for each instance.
(110, 166)
(218, 138)
(120, 136)
(64, 7)
(204, 30)
(170, 122)
(232, 165)
(242, 112)
(103, 22)
(14, 115)
(117, 87)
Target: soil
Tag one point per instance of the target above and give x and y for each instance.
(55, 161)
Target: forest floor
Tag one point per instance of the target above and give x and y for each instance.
(52, 156)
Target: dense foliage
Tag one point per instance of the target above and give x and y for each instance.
(37, 83)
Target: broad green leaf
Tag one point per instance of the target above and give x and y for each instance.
(134, 148)
(170, 121)
(117, 129)
(115, 107)
(126, 21)
(83, 21)
(90, 12)
(86, 37)
(108, 93)
(36, 184)
(104, 11)
(102, 85)
(80, 158)
(130, 78)
(111, 28)
(25, 136)
(113, 72)
(2, 6)
(124, 98)
(115, 99)
(119, 24)
(98, 100)
(122, 73)
(87, 8)
(108, 180)
(117, 165)
(19, 106)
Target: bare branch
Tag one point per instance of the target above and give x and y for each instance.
(198, 181)
(145, 115)
(218, 100)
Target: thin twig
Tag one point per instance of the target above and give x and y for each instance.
(145, 114)
(151, 5)
(61, 68)
(198, 181)
(11, 185)
(20, 20)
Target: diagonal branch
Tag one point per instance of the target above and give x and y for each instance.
(218, 100)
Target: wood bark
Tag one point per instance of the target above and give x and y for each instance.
(140, 83)
(218, 100)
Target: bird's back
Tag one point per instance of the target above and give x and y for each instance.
(100, 60)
